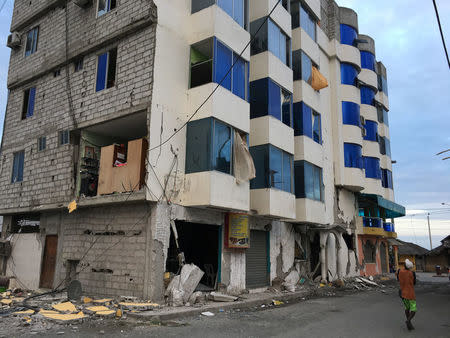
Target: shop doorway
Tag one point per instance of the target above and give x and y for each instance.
(257, 260)
(200, 244)
(49, 262)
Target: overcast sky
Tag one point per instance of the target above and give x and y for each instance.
(408, 43)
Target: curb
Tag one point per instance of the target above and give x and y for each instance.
(190, 312)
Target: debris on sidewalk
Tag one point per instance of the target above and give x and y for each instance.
(291, 281)
(66, 307)
(208, 314)
(183, 285)
(277, 302)
(220, 297)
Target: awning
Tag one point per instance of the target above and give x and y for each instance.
(392, 209)
(393, 241)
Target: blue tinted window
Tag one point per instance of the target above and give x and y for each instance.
(382, 84)
(238, 12)
(234, 8)
(387, 181)
(302, 66)
(367, 95)
(268, 98)
(350, 113)
(31, 99)
(273, 168)
(348, 35)
(18, 163)
(227, 6)
(349, 74)
(367, 60)
(222, 63)
(353, 155)
(274, 100)
(102, 64)
(308, 23)
(278, 42)
(308, 181)
(276, 167)
(31, 43)
(372, 167)
(371, 131)
(222, 147)
(317, 128)
(240, 78)
(104, 6)
(388, 146)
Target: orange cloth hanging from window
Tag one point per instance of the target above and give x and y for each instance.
(318, 81)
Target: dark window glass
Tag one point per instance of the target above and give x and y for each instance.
(106, 70)
(238, 12)
(78, 64)
(286, 107)
(372, 167)
(29, 97)
(223, 59)
(260, 38)
(387, 181)
(286, 4)
(222, 147)
(348, 35)
(308, 181)
(63, 137)
(268, 98)
(388, 146)
(353, 155)
(371, 131)
(302, 66)
(367, 95)
(385, 117)
(198, 145)
(18, 163)
(349, 74)
(202, 63)
(273, 168)
(382, 84)
(198, 5)
(42, 143)
(240, 80)
(104, 6)
(382, 142)
(367, 60)
(351, 113)
(317, 128)
(32, 40)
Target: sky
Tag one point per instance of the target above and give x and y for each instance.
(408, 43)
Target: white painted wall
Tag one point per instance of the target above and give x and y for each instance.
(24, 264)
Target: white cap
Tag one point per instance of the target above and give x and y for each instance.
(408, 264)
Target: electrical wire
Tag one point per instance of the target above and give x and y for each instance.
(220, 83)
(442, 33)
(3, 5)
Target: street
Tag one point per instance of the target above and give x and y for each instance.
(363, 314)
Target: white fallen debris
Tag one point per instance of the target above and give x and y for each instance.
(220, 297)
(208, 314)
(368, 281)
(183, 285)
(291, 281)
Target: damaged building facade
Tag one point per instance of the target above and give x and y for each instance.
(277, 169)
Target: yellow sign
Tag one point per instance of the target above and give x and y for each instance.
(237, 231)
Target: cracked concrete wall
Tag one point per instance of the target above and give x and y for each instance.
(346, 207)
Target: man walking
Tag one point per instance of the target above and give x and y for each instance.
(407, 279)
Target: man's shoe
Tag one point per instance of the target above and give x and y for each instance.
(409, 325)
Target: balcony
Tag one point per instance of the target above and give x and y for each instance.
(389, 229)
(373, 226)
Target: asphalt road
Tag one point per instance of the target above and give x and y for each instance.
(363, 314)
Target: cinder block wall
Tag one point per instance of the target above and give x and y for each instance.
(49, 175)
(119, 256)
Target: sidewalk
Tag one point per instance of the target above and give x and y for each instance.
(249, 300)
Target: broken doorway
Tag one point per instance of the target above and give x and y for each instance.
(315, 255)
(200, 245)
(49, 262)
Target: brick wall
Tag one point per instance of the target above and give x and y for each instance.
(125, 256)
(49, 175)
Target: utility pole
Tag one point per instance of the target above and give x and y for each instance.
(429, 231)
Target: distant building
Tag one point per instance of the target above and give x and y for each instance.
(104, 109)
(439, 256)
(415, 253)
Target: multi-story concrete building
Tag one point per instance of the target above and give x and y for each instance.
(155, 116)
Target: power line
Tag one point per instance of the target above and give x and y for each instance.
(442, 33)
(3, 5)
(219, 84)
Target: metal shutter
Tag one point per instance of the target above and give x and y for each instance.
(256, 271)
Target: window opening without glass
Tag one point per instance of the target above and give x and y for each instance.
(29, 97)
(104, 6)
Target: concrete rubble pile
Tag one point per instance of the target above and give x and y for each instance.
(182, 286)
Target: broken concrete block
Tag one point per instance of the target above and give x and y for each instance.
(65, 307)
(103, 301)
(182, 286)
(106, 313)
(196, 297)
(97, 308)
(368, 281)
(26, 312)
(6, 301)
(138, 306)
(291, 281)
(66, 317)
(220, 297)
(87, 300)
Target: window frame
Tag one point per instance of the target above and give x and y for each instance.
(297, 19)
(42, 143)
(78, 64)
(106, 76)
(63, 137)
(29, 98)
(357, 162)
(18, 167)
(34, 43)
(300, 168)
(108, 7)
